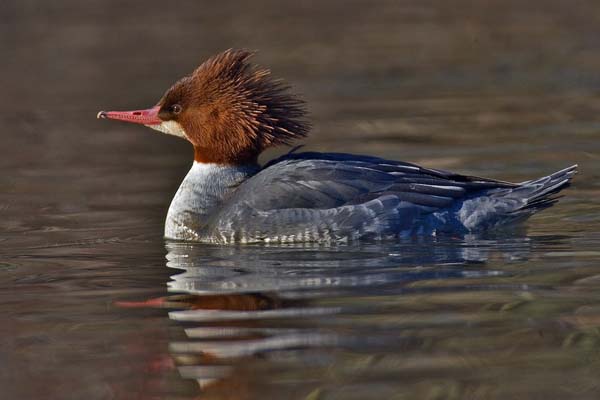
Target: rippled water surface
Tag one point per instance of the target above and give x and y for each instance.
(96, 305)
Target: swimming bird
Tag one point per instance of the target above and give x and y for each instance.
(231, 110)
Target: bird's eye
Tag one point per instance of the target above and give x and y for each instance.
(176, 108)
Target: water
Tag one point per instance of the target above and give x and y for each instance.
(96, 305)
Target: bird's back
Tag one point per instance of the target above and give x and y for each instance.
(340, 197)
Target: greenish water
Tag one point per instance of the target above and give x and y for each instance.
(499, 89)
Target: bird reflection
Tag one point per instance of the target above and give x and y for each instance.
(242, 305)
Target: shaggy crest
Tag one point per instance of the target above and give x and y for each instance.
(231, 110)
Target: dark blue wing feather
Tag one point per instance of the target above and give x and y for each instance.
(326, 180)
(333, 196)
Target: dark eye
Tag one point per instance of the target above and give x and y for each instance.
(176, 108)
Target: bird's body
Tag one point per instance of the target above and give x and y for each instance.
(332, 197)
(230, 113)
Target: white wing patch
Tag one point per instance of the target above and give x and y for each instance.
(453, 188)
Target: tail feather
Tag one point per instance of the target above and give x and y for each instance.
(540, 193)
(509, 205)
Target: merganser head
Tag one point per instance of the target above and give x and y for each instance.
(228, 109)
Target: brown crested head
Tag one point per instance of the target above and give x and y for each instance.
(231, 110)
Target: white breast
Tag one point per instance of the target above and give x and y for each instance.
(200, 195)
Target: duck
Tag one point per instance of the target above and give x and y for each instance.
(231, 110)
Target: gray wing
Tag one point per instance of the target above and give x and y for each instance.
(316, 196)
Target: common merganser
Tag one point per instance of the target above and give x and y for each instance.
(231, 110)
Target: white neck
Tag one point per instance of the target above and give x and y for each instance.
(201, 193)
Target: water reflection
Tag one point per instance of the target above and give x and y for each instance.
(311, 266)
(298, 305)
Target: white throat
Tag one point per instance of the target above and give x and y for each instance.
(171, 128)
(200, 195)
